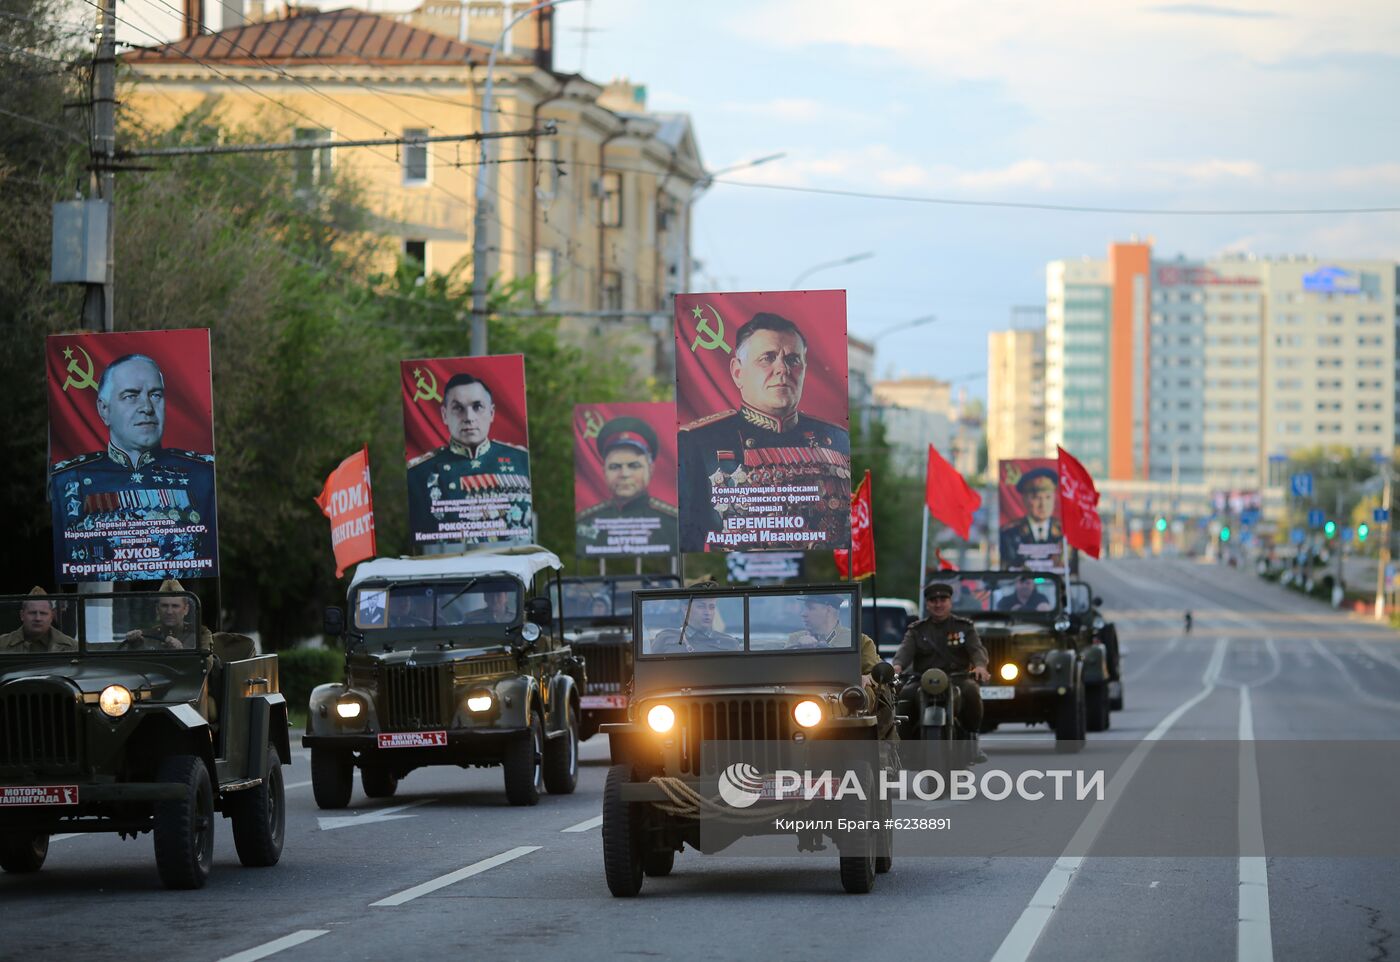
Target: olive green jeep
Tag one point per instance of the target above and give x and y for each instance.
(119, 714)
(449, 660)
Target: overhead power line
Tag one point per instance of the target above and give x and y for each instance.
(212, 149)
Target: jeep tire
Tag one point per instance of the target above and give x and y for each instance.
(378, 781)
(23, 852)
(561, 757)
(1096, 707)
(332, 777)
(523, 764)
(622, 836)
(259, 817)
(1069, 720)
(184, 827)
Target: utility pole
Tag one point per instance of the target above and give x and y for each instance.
(1383, 562)
(97, 306)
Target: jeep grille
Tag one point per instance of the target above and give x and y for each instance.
(39, 728)
(607, 668)
(739, 719)
(481, 667)
(414, 697)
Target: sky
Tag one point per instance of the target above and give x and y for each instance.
(1105, 103)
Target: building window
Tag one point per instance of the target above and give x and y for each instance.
(610, 199)
(546, 265)
(415, 157)
(312, 166)
(415, 255)
(611, 294)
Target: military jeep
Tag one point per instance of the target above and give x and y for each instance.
(1101, 698)
(724, 670)
(1041, 662)
(113, 721)
(598, 627)
(449, 660)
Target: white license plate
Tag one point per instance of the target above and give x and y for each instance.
(39, 795)
(998, 692)
(413, 739)
(603, 701)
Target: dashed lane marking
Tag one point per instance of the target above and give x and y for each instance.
(275, 946)
(587, 826)
(442, 881)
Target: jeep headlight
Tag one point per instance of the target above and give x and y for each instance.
(350, 708)
(661, 719)
(479, 701)
(1036, 665)
(1063, 624)
(1009, 672)
(115, 701)
(807, 713)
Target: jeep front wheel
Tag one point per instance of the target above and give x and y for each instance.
(622, 836)
(523, 764)
(23, 851)
(1069, 721)
(260, 818)
(332, 777)
(1096, 709)
(561, 758)
(378, 781)
(184, 827)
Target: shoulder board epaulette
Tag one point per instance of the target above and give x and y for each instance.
(79, 460)
(518, 449)
(590, 512)
(960, 618)
(427, 456)
(710, 419)
(658, 505)
(191, 455)
(917, 621)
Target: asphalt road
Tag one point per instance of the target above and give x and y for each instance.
(447, 869)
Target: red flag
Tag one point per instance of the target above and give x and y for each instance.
(842, 557)
(1079, 501)
(947, 495)
(862, 531)
(345, 499)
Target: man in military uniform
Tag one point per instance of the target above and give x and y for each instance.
(499, 610)
(36, 632)
(1026, 598)
(1037, 539)
(173, 628)
(945, 641)
(766, 443)
(631, 521)
(135, 493)
(475, 487)
(698, 633)
(822, 628)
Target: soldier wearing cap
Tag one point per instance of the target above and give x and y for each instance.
(697, 633)
(945, 641)
(1036, 539)
(172, 628)
(822, 628)
(631, 521)
(36, 632)
(766, 443)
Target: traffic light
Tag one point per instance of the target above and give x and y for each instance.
(1225, 533)
(1161, 524)
(1329, 529)
(1362, 530)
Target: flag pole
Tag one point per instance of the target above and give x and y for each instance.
(874, 548)
(923, 559)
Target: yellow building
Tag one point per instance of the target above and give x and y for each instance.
(1016, 394)
(599, 213)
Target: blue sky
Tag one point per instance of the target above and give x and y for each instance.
(1102, 102)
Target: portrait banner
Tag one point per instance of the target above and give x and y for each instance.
(466, 442)
(625, 479)
(1032, 532)
(131, 456)
(764, 447)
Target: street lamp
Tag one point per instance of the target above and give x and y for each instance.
(704, 184)
(904, 326)
(866, 255)
(480, 249)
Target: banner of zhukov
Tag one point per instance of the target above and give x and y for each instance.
(761, 403)
(131, 448)
(625, 479)
(467, 446)
(1032, 534)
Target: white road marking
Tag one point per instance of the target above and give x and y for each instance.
(1155, 883)
(1331, 658)
(587, 826)
(1254, 940)
(442, 881)
(288, 788)
(371, 817)
(275, 946)
(1021, 940)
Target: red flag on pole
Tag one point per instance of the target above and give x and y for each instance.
(862, 548)
(949, 498)
(345, 499)
(1079, 501)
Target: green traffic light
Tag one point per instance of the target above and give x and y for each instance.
(1362, 530)
(1161, 524)
(1330, 528)
(1224, 534)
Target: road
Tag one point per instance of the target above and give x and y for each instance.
(447, 869)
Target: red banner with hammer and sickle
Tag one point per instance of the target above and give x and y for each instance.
(1079, 500)
(859, 561)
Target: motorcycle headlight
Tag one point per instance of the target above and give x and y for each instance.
(1036, 666)
(1062, 624)
(661, 719)
(807, 713)
(115, 701)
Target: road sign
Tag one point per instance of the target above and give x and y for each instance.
(1380, 515)
(1315, 518)
(1249, 516)
(1302, 484)
(1299, 536)
(1346, 535)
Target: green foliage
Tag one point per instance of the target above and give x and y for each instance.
(302, 669)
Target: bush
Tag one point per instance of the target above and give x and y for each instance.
(302, 669)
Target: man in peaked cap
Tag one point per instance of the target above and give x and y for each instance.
(631, 521)
(946, 641)
(36, 632)
(1035, 540)
(172, 628)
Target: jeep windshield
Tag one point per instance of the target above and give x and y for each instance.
(1080, 598)
(607, 599)
(725, 623)
(1005, 592)
(484, 605)
(98, 624)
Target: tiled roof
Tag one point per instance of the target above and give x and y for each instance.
(335, 36)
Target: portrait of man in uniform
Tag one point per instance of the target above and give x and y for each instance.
(1036, 539)
(137, 508)
(476, 487)
(765, 475)
(632, 520)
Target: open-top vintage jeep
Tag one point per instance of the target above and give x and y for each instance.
(114, 717)
(449, 660)
(598, 627)
(741, 676)
(1104, 697)
(1041, 663)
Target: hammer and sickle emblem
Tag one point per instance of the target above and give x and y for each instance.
(426, 388)
(705, 336)
(592, 424)
(78, 376)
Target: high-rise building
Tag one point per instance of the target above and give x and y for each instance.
(1077, 318)
(916, 412)
(1015, 394)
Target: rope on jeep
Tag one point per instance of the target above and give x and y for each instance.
(686, 802)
